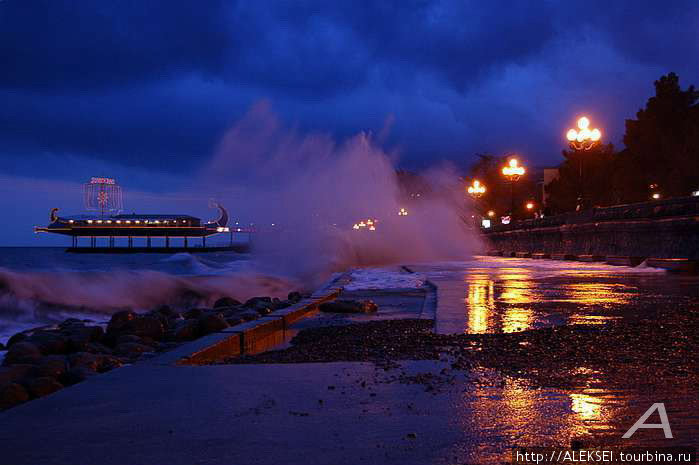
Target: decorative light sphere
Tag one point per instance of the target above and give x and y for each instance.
(572, 134)
(595, 134)
(530, 205)
(583, 122)
(491, 213)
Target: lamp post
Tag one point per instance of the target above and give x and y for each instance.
(582, 140)
(512, 171)
(530, 206)
(476, 189)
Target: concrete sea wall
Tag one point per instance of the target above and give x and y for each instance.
(659, 229)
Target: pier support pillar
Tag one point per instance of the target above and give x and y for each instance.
(148, 242)
(167, 242)
(130, 242)
(185, 242)
(203, 242)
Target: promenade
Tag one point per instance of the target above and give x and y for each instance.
(158, 411)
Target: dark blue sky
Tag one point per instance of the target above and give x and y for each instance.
(146, 89)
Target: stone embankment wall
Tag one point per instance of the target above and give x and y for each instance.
(660, 229)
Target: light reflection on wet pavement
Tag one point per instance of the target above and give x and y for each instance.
(502, 295)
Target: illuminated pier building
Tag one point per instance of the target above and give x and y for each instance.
(103, 195)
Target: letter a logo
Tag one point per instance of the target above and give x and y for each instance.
(664, 423)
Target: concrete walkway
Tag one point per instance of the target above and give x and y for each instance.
(249, 414)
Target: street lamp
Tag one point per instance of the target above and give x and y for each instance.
(512, 171)
(530, 207)
(476, 189)
(581, 140)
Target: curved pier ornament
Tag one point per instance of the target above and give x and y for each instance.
(222, 220)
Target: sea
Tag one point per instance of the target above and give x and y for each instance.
(45, 285)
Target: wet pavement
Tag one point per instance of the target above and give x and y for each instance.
(508, 295)
(535, 353)
(495, 294)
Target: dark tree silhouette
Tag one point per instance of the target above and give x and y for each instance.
(662, 143)
(587, 173)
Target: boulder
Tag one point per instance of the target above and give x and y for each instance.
(263, 310)
(166, 311)
(349, 306)
(49, 342)
(145, 326)
(97, 348)
(194, 313)
(260, 306)
(42, 386)
(109, 362)
(294, 297)
(79, 337)
(22, 352)
(132, 349)
(119, 320)
(249, 315)
(52, 366)
(2, 346)
(12, 394)
(84, 360)
(186, 330)
(254, 300)
(14, 373)
(68, 322)
(164, 320)
(226, 302)
(232, 321)
(18, 337)
(211, 323)
(124, 338)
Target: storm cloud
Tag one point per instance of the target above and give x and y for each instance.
(154, 85)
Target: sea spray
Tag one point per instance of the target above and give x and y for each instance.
(137, 289)
(305, 192)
